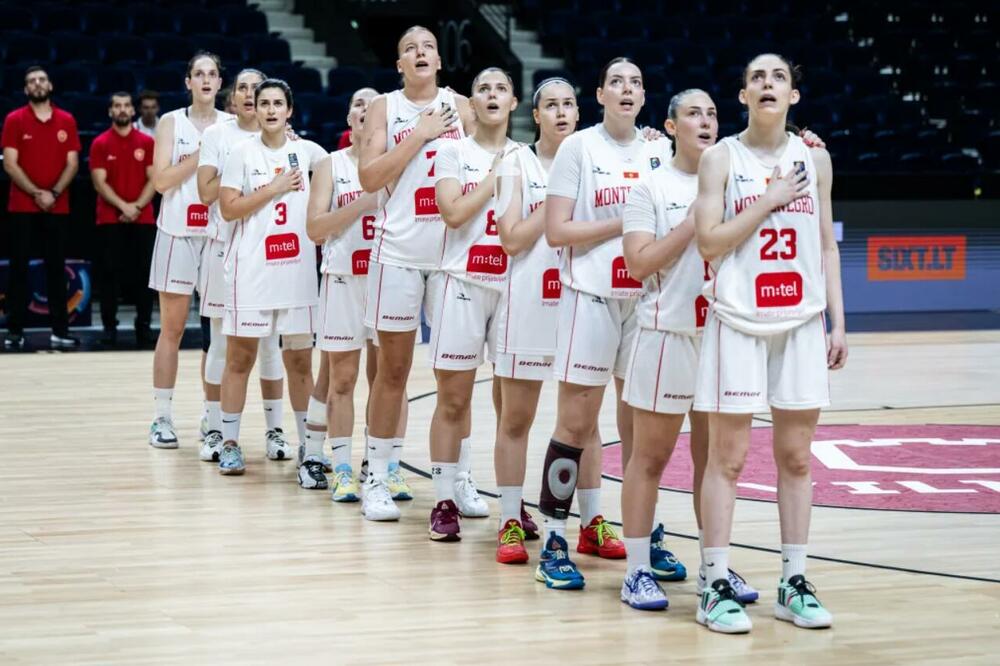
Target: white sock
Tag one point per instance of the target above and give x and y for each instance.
(316, 412)
(510, 503)
(716, 563)
(213, 409)
(637, 552)
(554, 525)
(314, 443)
(273, 413)
(162, 399)
(465, 457)
(231, 427)
(300, 425)
(397, 451)
(443, 474)
(379, 450)
(590, 504)
(793, 560)
(701, 552)
(341, 447)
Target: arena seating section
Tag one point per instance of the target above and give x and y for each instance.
(893, 85)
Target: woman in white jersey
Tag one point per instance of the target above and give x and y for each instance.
(270, 261)
(466, 290)
(217, 142)
(764, 222)
(588, 184)
(181, 229)
(402, 133)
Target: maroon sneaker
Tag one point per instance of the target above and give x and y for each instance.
(528, 524)
(444, 522)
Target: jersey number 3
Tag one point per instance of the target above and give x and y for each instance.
(280, 213)
(771, 250)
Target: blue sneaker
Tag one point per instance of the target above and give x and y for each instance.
(555, 569)
(642, 592)
(664, 564)
(231, 461)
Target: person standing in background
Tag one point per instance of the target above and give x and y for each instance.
(41, 152)
(149, 113)
(121, 168)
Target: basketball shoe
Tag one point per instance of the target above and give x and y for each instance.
(600, 539)
(278, 447)
(745, 593)
(797, 603)
(231, 461)
(162, 434)
(555, 569)
(398, 487)
(311, 476)
(510, 544)
(719, 610)
(211, 446)
(528, 523)
(470, 504)
(345, 487)
(376, 502)
(641, 591)
(444, 522)
(664, 564)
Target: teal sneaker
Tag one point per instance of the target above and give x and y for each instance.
(555, 569)
(664, 564)
(719, 610)
(797, 603)
(231, 461)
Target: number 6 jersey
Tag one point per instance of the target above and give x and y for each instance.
(347, 254)
(270, 261)
(773, 281)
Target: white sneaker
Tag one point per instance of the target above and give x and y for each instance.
(641, 591)
(470, 504)
(162, 434)
(376, 502)
(211, 447)
(278, 447)
(327, 463)
(203, 428)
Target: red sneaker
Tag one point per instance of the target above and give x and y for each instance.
(444, 522)
(510, 544)
(599, 538)
(528, 523)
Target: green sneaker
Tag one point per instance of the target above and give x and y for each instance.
(797, 603)
(721, 611)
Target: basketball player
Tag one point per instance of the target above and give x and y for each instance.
(270, 264)
(588, 185)
(402, 133)
(467, 289)
(182, 227)
(764, 222)
(342, 218)
(217, 142)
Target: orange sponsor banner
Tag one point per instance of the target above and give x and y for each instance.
(916, 258)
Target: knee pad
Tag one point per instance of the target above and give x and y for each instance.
(206, 334)
(296, 342)
(562, 468)
(215, 360)
(269, 355)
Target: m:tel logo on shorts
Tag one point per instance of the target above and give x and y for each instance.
(197, 215)
(490, 259)
(359, 262)
(620, 277)
(778, 290)
(281, 246)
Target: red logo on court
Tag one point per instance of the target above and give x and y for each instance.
(551, 285)
(700, 311)
(620, 277)
(281, 246)
(425, 201)
(778, 290)
(197, 215)
(359, 262)
(907, 468)
(487, 259)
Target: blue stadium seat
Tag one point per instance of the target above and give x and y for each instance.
(72, 78)
(193, 20)
(150, 19)
(243, 21)
(384, 79)
(101, 19)
(347, 79)
(90, 111)
(168, 47)
(959, 162)
(52, 19)
(27, 49)
(75, 48)
(314, 109)
(164, 78)
(173, 99)
(228, 49)
(16, 18)
(263, 48)
(110, 79)
(124, 48)
(301, 79)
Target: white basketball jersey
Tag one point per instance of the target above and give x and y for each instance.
(216, 144)
(605, 180)
(671, 298)
(181, 211)
(774, 280)
(529, 306)
(347, 254)
(472, 252)
(270, 261)
(409, 231)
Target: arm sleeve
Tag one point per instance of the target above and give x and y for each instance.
(98, 155)
(208, 155)
(232, 171)
(640, 211)
(446, 163)
(564, 175)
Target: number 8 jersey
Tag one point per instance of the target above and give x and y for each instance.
(270, 261)
(773, 281)
(347, 254)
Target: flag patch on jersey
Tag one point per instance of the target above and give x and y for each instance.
(631, 174)
(654, 162)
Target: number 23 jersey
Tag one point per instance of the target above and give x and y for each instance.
(270, 261)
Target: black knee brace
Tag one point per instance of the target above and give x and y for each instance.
(562, 466)
(206, 333)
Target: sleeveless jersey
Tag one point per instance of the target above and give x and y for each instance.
(408, 230)
(671, 298)
(605, 178)
(270, 261)
(529, 306)
(774, 280)
(216, 144)
(347, 254)
(181, 211)
(472, 252)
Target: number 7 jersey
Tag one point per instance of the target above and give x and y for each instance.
(774, 280)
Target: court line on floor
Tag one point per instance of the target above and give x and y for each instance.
(746, 546)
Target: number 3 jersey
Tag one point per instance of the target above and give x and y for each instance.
(270, 261)
(347, 254)
(773, 281)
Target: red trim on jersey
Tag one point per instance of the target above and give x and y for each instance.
(718, 369)
(381, 236)
(438, 322)
(208, 279)
(170, 254)
(826, 342)
(631, 373)
(656, 318)
(572, 331)
(378, 298)
(156, 244)
(236, 266)
(510, 302)
(659, 366)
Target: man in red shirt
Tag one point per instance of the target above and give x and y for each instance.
(121, 168)
(41, 155)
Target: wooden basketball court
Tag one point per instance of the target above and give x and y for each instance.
(112, 552)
